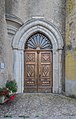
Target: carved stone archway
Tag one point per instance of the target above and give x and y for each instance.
(18, 44)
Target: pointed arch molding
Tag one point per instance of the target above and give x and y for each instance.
(18, 44)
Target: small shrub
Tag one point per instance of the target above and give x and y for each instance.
(11, 85)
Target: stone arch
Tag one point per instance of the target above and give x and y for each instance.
(30, 27)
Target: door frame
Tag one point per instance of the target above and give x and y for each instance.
(50, 30)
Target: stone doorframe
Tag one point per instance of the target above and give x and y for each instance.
(30, 27)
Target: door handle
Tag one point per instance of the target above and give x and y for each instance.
(39, 75)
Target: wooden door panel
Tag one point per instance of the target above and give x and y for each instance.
(30, 74)
(30, 71)
(45, 71)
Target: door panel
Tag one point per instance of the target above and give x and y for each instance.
(45, 72)
(30, 71)
(38, 71)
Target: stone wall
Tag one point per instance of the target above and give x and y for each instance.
(13, 7)
(5, 66)
(70, 53)
(53, 11)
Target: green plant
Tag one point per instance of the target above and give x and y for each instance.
(2, 89)
(11, 85)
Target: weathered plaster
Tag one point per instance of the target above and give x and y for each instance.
(70, 56)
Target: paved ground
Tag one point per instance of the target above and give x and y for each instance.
(39, 106)
(52, 117)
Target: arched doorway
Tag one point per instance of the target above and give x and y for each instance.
(18, 46)
(38, 64)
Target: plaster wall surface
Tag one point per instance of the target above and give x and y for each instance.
(50, 10)
(5, 69)
(70, 50)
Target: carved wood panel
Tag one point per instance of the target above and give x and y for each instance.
(30, 71)
(45, 71)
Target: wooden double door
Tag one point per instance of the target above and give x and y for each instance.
(38, 71)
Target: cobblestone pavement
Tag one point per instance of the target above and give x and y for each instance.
(39, 106)
(52, 117)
